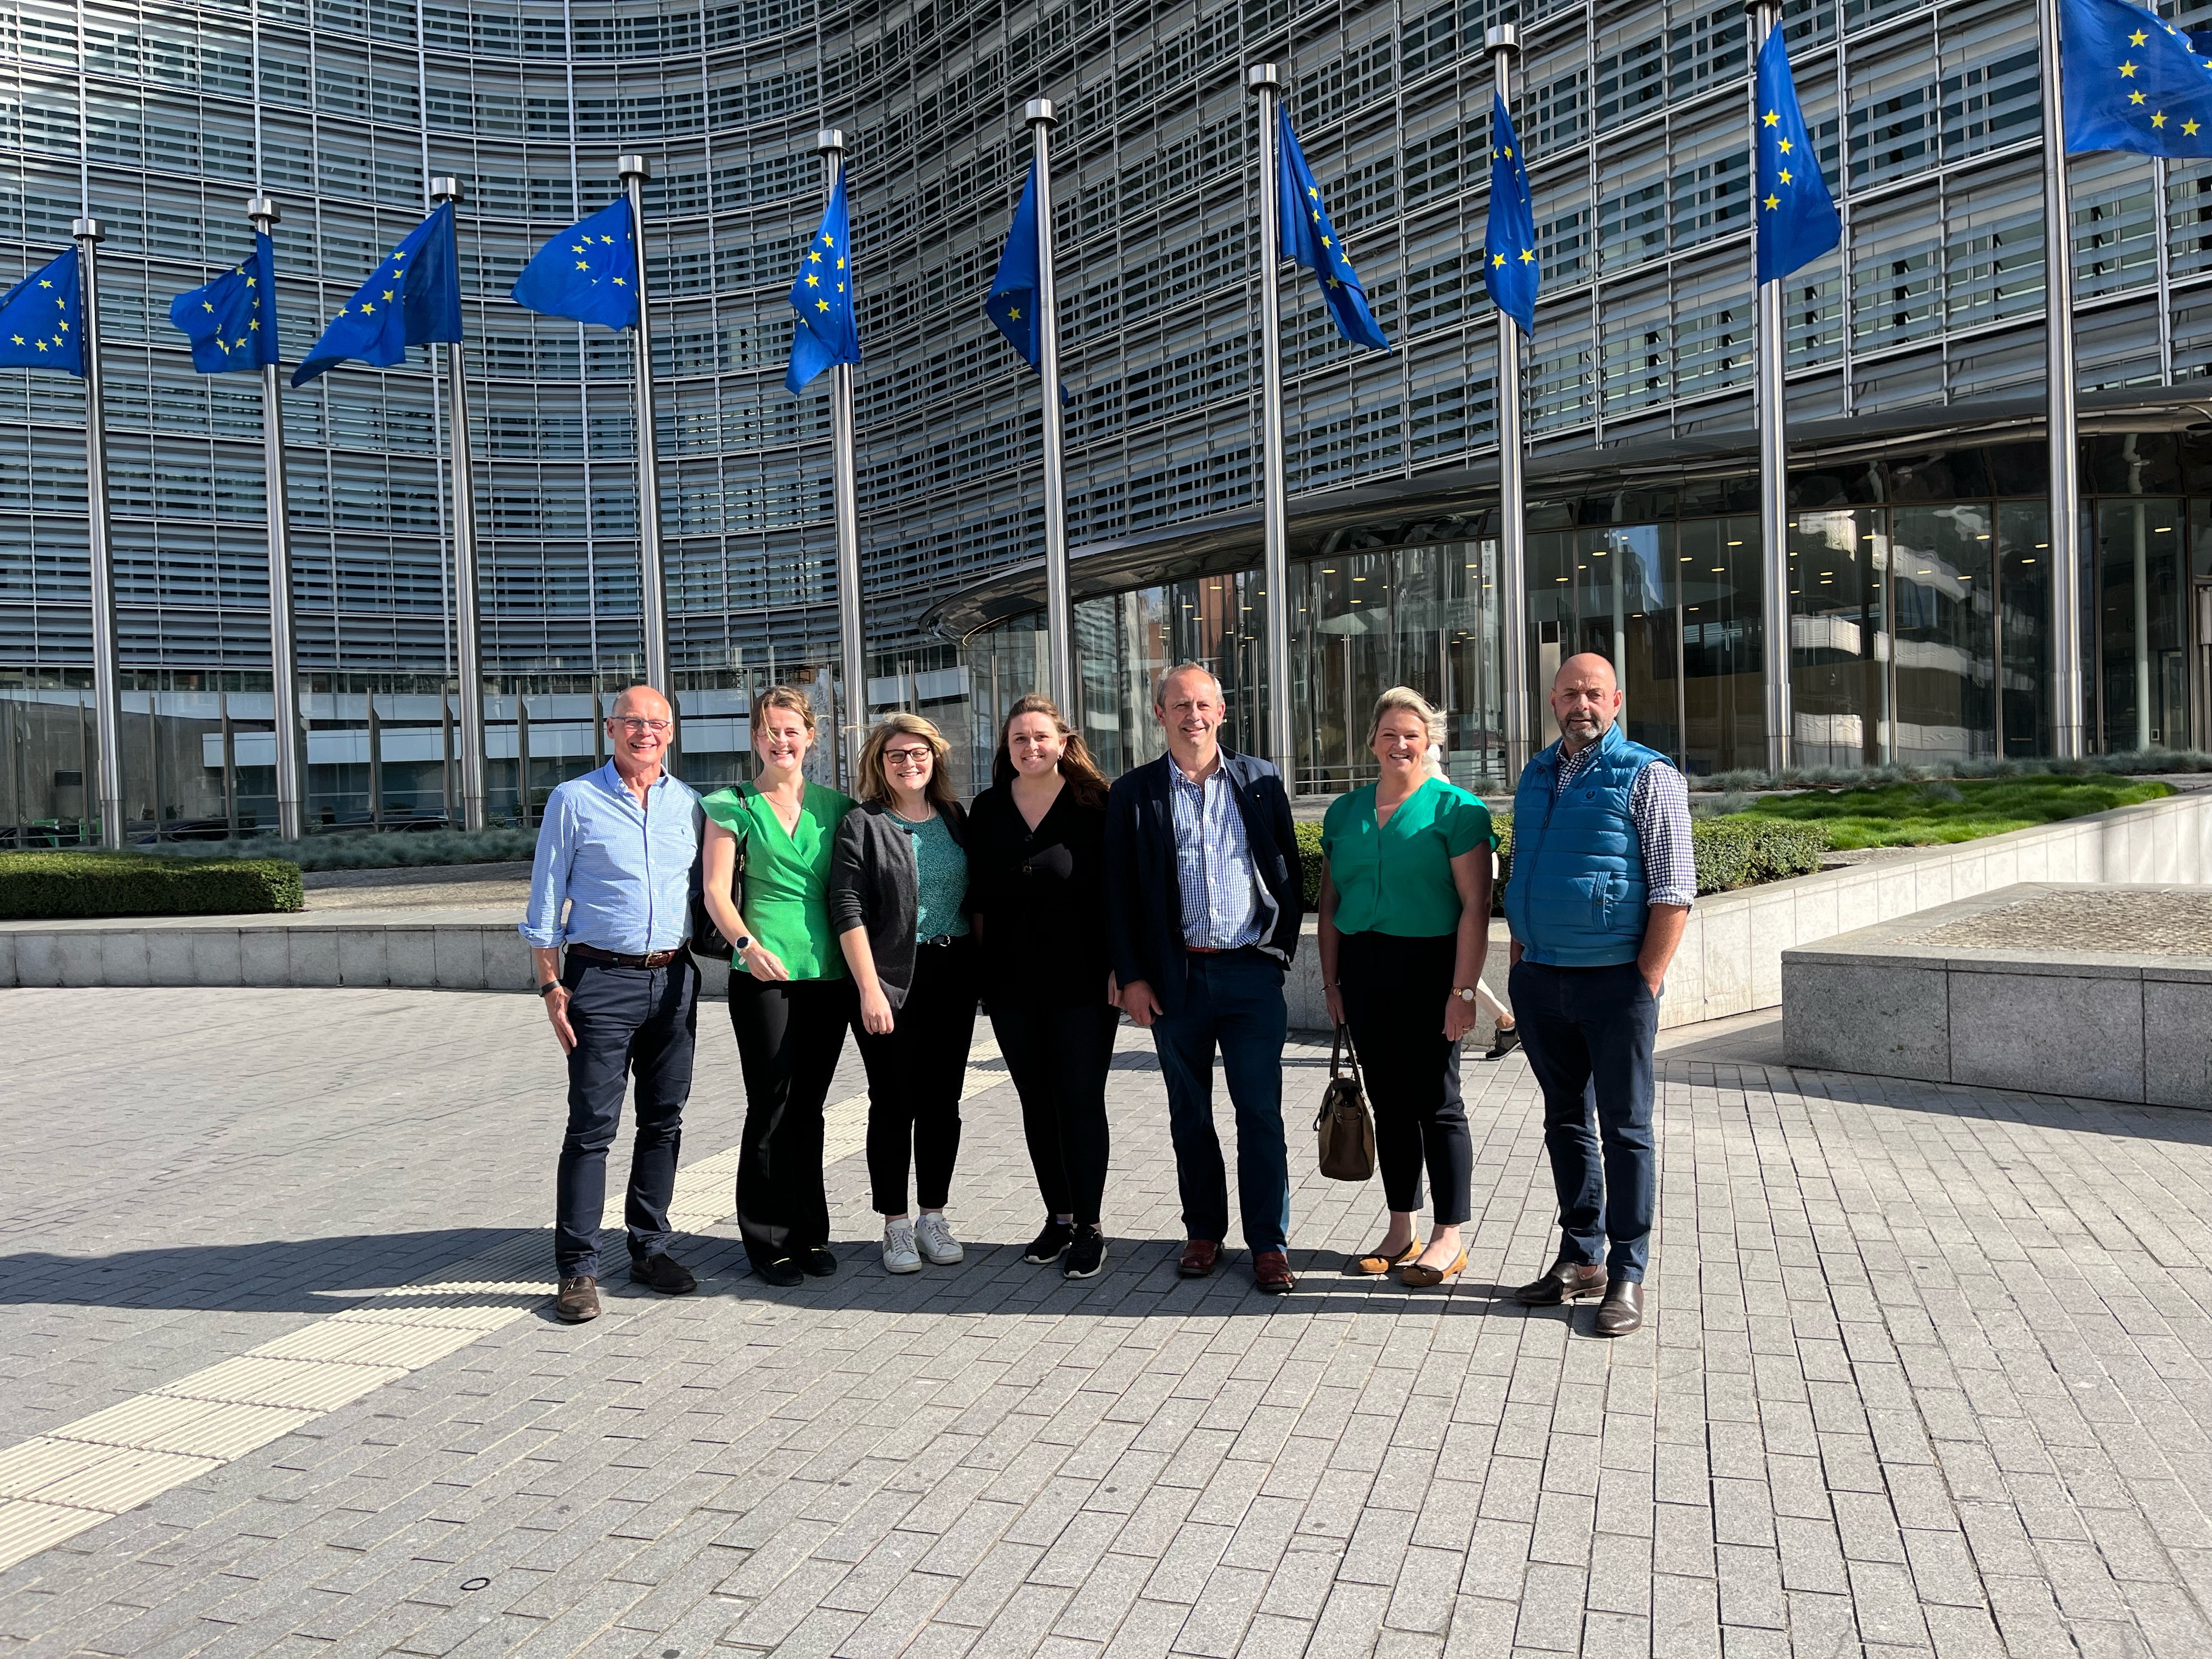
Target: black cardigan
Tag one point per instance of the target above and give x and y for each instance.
(874, 884)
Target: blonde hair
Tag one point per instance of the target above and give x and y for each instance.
(875, 782)
(1405, 697)
(782, 697)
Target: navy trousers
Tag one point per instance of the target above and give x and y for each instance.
(630, 1022)
(1234, 1000)
(1589, 1032)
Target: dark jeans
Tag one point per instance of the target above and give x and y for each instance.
(627, 1021)
(915, 1071)
(1234, 999)
(1058, 1058)
(1588, 1032)
(1395, 991)
(789, 1034)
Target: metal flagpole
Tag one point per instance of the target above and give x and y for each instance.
(1059, 639)
(845, 490)
(2068, 734)
(283, 639)
(468, 626)
(1773, 469)
(1265, 82)
(1502, 41)
(106, 669)
(653, 572)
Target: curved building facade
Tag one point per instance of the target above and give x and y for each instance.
(1915, 377)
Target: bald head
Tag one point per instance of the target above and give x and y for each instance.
(1585, 700)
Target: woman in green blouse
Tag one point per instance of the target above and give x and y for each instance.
(790, 998)
(1405, 923)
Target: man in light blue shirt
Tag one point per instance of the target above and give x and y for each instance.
(612, 885)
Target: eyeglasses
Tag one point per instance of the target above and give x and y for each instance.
(906, 757)
(637, 723)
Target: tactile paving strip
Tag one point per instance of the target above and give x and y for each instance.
(69, 1479)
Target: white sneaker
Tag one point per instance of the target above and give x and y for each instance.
(935, 1240)
(899, 1255)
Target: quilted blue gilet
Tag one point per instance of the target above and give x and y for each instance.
(1578, 896)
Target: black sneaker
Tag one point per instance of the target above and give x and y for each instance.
(1086, 1253)
(818, 1262)
(1050, 1244)
(1504, 1041)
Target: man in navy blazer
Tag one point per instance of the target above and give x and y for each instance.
(1204, 895)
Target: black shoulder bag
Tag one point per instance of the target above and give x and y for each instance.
(706, 940)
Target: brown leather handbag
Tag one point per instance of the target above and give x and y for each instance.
(1345, 1130)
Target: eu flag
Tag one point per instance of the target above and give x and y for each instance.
(1508, 243)
(2132, 81)
(38, 318)
(1797, 218)
(1308, 239)
(587, 273)
(228, 324)
(826, 331)
(412, 298)
(1012, 301)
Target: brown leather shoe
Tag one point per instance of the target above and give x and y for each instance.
(578, 1300)
(1199, 1257)
(1622, 1310)
(1564, 1282)
(1271, 1271)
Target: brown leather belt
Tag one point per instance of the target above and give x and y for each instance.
(615, 959)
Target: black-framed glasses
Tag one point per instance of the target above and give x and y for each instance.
(906, 757)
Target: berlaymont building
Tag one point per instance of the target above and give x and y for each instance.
(1918, 520)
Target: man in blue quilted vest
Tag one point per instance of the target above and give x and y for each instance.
(1603, 878)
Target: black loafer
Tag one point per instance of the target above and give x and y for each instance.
(664, 1273)
(816, 1262)
(782, 1273)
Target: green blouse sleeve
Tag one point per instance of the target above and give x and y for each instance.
(1468, 826)
(727, 808)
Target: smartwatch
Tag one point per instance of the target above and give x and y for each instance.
(741, 944)
(548, 987)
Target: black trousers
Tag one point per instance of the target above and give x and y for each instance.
(915, 1071)
(1589, 1032)
(1394, 990)
(1058, 1058)
(640, 1021)
(789, 1035)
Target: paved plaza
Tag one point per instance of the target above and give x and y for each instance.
(1926, 1373)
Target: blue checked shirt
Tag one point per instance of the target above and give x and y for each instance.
(1659, 802)
(623, 870)
(1213, 863)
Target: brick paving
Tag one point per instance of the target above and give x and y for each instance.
(1926, 1374)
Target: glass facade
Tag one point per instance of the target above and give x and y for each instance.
(1921, 637)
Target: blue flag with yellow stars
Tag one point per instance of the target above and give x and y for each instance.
(1797, 218)
(2132, 81)
(1509, 244)
(228, 324)
(1012, 303)
(1308, 239)
(588, 273)
(39, 320)
(412, 298)
(826, 331)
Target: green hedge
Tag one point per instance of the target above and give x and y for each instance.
(1731, 852)
(50, 886)
(354, 850)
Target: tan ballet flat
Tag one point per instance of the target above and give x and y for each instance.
(1415, 1277)
(1375, 1264)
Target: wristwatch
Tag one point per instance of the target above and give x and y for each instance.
(741, 944)
(548, 987)
(1464, 993)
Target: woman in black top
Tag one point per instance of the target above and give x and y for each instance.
(1035, 851)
